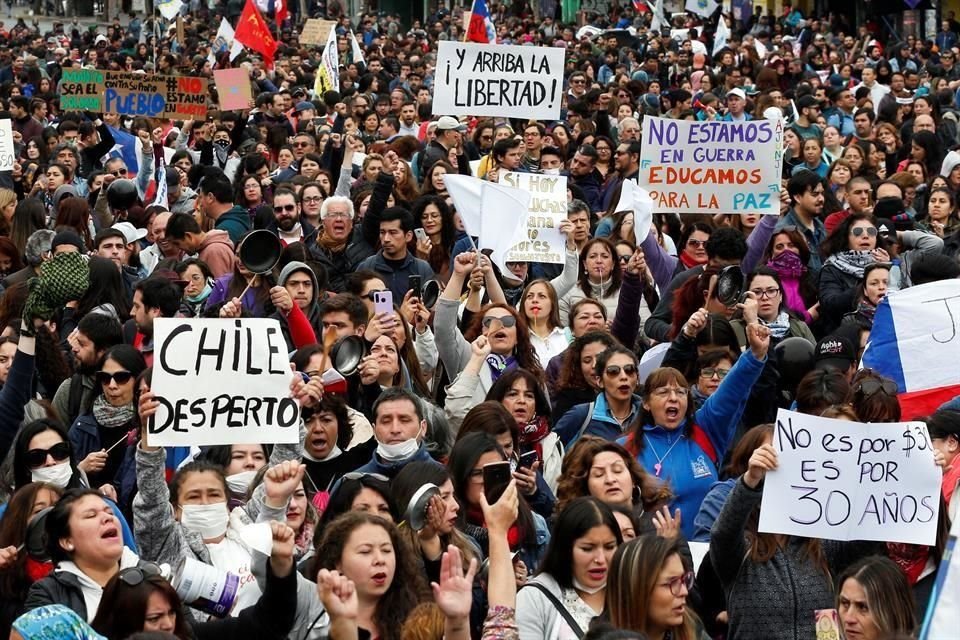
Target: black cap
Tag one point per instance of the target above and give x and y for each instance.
(806, 102)
(834, 352)
(68, 237)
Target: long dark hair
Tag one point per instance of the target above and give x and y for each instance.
(123, 608)
(30, 215)
(525, 353)
(839, 241)
(616, 275)
(21, 469)
(440, 254)
(503, 384)
(406, 590)
(465, 454)
(106, 287)
(128, 357)
(576, 519)
(571, 375)
(341, 501)
(14, 581)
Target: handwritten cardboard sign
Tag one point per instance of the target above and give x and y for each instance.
(712, 167)
(221, 382)
(843, 480)
(233, 89)
(315, 31)
(7, 155)
(174, 97)
(498, 80)
(546, 210)
(79, 90)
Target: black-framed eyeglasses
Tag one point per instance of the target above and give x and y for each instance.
(506, 321)
(859, 231)
(133, 576)
(679, 583)
(615, 369)
(37, 457)
(766, 293)
(871, 386)
(120, 377)
(709, 372)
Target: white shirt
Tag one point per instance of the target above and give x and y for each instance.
(554, 344)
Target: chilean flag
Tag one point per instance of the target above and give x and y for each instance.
(481, 27)
(915, 341)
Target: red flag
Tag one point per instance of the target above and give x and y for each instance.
(280, 11)
(253, 33)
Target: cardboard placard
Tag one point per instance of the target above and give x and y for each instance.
(80, 90)
(173, 97)
(221, 381)
(233, 89)
(546, 210)
(498, 80)
(7, 155)
(315, 31)
(843, 480)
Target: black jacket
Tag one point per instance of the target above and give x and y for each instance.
(60, 587)
(338, 265)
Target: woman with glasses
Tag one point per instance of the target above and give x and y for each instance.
(683, 445)
(528, 536)
(199, 281)
(249, 194)
(355, 491)
(573, 573)
(140, 598)
(434, 217)
(496, 340)
(605, 148)
(312, 195)
(614, 408)
(100, 435)
(648, 587)
(772, 312)
(848, 251)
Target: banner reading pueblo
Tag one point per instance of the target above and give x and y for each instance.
(712, 167)
(135, 94)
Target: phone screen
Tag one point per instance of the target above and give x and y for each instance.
(496, 477)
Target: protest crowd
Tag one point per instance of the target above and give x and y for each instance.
(340, 336)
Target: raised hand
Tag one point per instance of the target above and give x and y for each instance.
(764, 459)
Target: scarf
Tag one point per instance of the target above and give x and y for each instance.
(533, 433)
(109, 416)
(866, 310)
(221, 151)
(688, 261)
(475, 516)
(911, 558)
(851, 263)
(331, 245)
(779, 326)
(787, 265)
(498, 364)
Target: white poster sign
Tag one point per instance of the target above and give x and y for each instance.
(221, 382)
(842, 480)
(498, 80)
(547, 209)
(7, 153)
(711, 166)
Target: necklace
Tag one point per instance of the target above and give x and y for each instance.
(658, 467)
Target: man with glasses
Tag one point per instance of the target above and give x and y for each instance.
(805, 124)
(287, 222)
(532, 144)
(333, 246)
(626, 162)
(577, 86)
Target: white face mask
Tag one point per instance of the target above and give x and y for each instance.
(239, 483)
(401, 451)
(58, 475)
(551, 172)
(588, 590)
(209, 520)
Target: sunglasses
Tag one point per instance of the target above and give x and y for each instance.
(120, 377)
(624, 259)
(372, 295)
(870, 386)
(353, 476)
(289, 208)
(859, 231)
(615, 369)
(133, 576)
(37, 457)
(506, 321)
(696, 243)
(119, 172)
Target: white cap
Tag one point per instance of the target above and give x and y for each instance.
(737, 93)
(449, 123)
(772, 113)
(130, 233)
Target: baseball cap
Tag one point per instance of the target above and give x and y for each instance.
(834, 352)
(449, 123)
(736, 93)
(68, 237)
(130, 233)
(305, 106)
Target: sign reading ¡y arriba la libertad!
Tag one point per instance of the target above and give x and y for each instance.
(498, 80)
(221, 382)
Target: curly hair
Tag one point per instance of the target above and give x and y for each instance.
(575, 474)
(524, 352)
(571, 374)
(407, 589)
